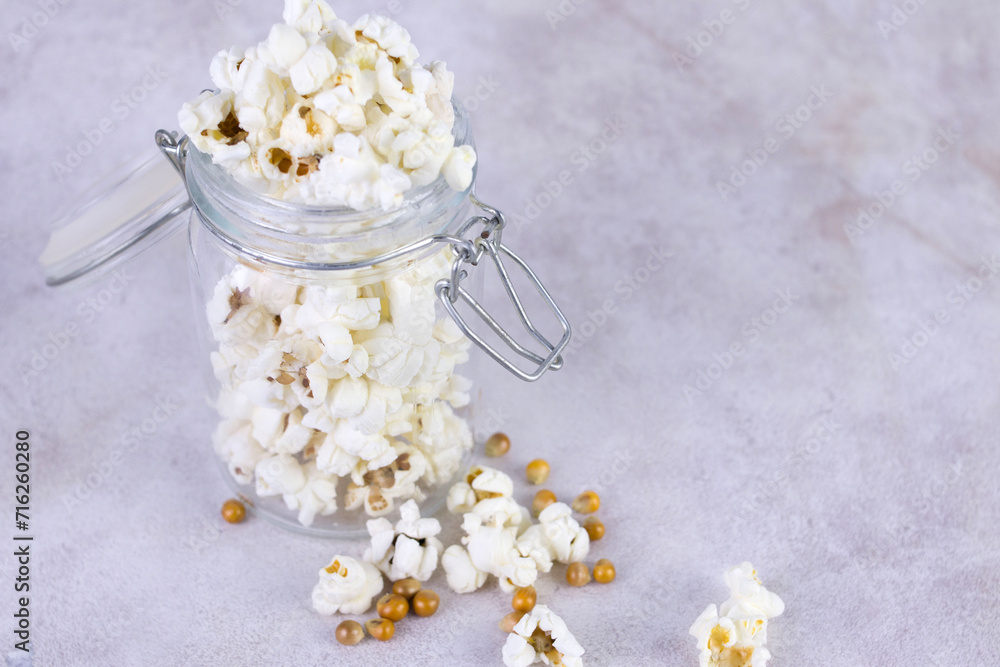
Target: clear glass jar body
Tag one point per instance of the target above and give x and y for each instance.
(342, 391)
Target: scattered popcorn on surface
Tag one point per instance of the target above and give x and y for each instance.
(541, 636)
(407, 550)
(343, 390)
(493, 523)
(559, 534)
(328, 112)
(480, 484)
(346, 586)
(733, 635)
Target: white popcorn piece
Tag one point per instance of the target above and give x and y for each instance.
(294, 436)
(235, 444)
(389, 35)
(377, 488)
(317, 497)
(462, 575)
(225, 70)
(559, 534)
(461, 498)
(746, 588)
(458, 166)
(442, 437)
(333, 459)
(737, 636)
(308, 15)
(505, 513)
(283, 47)
(408, 549)
(310, 72)
(492, 550)
(346, 586)
(348, 397)
(542, 636)
(279, 475)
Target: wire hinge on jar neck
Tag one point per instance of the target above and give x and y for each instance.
(450, 290)
(174, 150)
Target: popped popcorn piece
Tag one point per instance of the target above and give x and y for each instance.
(461, 573)
(235, 444)
(346, 586)
(279, 475)
(408, 549)
(736, 637)
(317, 496)
(479, 484)
(492, 549)
(746, 589)
(542, 636)
(377, 489)
(558, 533)
(332, 113)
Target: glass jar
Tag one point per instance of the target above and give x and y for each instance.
(336, 354)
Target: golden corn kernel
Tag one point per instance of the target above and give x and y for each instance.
(497, 444)
(381, 629)
(233, 511)
(508, 622)
(406, 587)
(392, 606)
(524, 599)
(426, 602)
(537, 471)
(604, 571)
(577, 574)
(543, 499)
(350, 633)
(594, 528)
(587, 502)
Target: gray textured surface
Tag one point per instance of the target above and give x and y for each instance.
(880, 532)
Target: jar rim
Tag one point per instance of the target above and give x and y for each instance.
(306, 237)
(271, 213)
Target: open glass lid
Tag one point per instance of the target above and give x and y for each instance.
(123, 214)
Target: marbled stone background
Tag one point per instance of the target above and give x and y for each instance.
(849, 451)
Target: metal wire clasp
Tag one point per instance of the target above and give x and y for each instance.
(450, 290)
(176, 151)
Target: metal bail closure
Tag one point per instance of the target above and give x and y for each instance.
(450, 290)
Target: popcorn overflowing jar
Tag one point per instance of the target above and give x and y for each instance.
(337, 250)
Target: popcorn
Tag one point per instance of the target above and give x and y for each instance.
(408, 549)
(305, 404)
(481, 483)
(736, 637)
(541, 636)
(346, 586)
(235, 444)
(317, 496)
(307, 15)
(492, 549)
(461, 573)
(331, 113)
(441, 437)
(376, 489)
(558, 533)
(279, 475)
